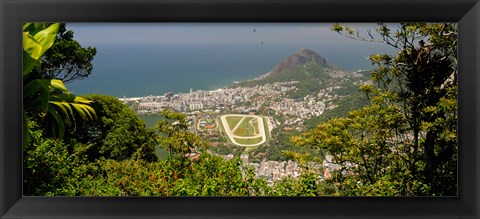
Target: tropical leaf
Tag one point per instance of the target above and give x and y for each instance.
(58, 84)
(58, 126)
(37, 39)
(85, 111)
(70, 105)
(35, 86)
(31, 46)
(65, 108)
(68, 108)
(49, 96)
(28, 64)
(46, 37)
(32, 51)
(34, 28)
(41, 89)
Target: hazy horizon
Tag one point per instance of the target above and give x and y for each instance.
(151, 59)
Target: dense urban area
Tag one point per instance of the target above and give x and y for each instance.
(269, 100)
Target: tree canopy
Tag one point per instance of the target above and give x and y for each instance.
(404, 141)
(174, 135)
(45, 98)
(66, 60)
(116, 133)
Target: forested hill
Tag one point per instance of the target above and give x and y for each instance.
(313, 73)
(305, 56)
(310, 69)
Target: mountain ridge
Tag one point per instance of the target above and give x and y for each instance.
(305, 56)
(305, 65)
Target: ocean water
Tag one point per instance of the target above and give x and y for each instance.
(134, 70)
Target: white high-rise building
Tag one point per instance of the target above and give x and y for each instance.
(195, 106)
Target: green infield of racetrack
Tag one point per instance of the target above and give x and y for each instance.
(233, 121)
(249, 140)
(222, 130)
(246, 129)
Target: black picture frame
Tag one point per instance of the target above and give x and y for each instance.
(14, 12)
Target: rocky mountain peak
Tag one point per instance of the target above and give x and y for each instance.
(303, 57)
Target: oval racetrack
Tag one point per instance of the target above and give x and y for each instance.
(230, 132)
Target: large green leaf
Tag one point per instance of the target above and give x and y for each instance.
(59, 85)
(58, 127)
(44, 85)
(34, 28)
(57, 104)
(85, 111)
(28, 63)
(26, 27)
(31, 46)
(32, 51)
(38, 85)
(70, 105)
(65, 108)
(49, 96)
(37, 39)
(46, 37)
(41, 89)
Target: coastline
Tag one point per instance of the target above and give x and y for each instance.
(218, 88)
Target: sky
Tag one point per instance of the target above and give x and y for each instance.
(92, 34)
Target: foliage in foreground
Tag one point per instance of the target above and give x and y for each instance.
(66, 60)
(46, 99)
(52, 170)
(404, 142)
(116, 133)
(67, 167)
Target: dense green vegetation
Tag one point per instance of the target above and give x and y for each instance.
(150, 120)
(223, 149)
(354, 100)
(66, 60)
(399, 140)
(45, 99)
(404, 141)
(311, 77)
(55, 167)
(275, 150)
(117, 132)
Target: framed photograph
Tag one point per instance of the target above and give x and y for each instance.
(267, 109)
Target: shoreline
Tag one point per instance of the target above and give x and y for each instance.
(218, 88)
(212, 89)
